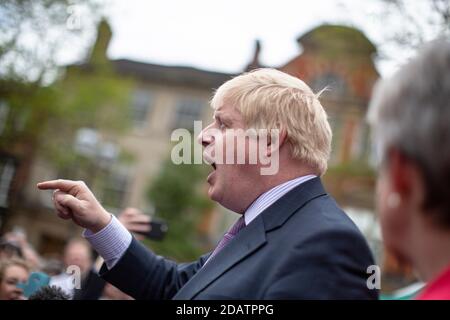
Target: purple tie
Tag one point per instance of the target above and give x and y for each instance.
(237, 226)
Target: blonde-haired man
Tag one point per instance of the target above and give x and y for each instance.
(291, 240)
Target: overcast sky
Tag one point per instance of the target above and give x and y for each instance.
(219, 34)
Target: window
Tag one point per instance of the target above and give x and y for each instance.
(361, 142)
(86, 142)
(188, 110)
(140, 107)
(115, 186)
(7, 170)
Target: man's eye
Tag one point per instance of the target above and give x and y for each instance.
(221, 125)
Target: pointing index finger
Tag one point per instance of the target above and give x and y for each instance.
(63, 185)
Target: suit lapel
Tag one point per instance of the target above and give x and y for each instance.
(252, 237)
(246, 241)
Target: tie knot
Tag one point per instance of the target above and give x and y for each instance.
(238, 225)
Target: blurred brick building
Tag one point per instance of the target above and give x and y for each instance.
(340, 60)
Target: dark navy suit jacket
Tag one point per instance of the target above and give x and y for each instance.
(301, 247)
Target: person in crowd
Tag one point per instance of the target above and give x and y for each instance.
(93, 286)
(290, 241)
(76, 253)
(52, 266)
(410, 118)
(18, 237)
(9, 249)
(13, 271)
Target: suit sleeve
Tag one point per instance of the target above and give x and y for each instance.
(143, 275)
(331, 265)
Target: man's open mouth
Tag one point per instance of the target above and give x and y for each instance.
(209, 160)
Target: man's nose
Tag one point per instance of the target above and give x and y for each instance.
(205, 137)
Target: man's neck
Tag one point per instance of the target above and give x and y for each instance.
(285, 174)
(267, 183)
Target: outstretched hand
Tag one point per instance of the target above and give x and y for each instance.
(73, 200)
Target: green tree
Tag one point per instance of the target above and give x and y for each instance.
(34, 34)
(89, 99)
(47, 117)
(178, 198)
(42, 119)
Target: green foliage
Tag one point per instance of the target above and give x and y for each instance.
(94, 100)
(44, 116)
(33, 33)
(177, 197)
(29, 105)
(48, 117)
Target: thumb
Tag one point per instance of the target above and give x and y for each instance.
(69, 201)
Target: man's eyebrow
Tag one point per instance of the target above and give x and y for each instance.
(222, 117)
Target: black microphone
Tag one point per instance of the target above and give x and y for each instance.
(49, 293)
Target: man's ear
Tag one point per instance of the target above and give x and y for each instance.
(275, 140)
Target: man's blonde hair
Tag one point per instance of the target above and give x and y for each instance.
(271, 99)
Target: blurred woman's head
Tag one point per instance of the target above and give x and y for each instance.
(12, 272)
(410, 119)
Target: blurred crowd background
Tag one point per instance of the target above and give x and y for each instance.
(108, 121)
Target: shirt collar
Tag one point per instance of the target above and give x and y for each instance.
(271, 196)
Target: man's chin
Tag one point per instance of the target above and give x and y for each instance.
(213, 193)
